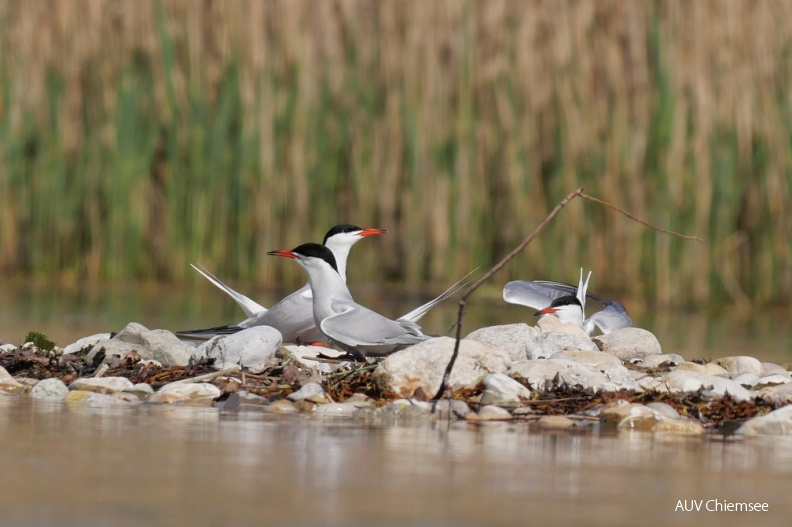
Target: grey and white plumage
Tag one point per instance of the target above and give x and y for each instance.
(349, 325)
(543, 294)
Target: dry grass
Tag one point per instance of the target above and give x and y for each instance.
(136, 137)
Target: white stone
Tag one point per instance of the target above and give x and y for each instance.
(595, 359)
(423, 366)
(336, 409)
(654, 361)
(50, 389)
(775, 378)
(157, 344)
(101, 384)
(509, 337)
(490, 413)
(688, 381)
(629, 343)
(746, 380)
(499, 388)
(250, 348)
(85, 342)
(192, 390)
(542, 371)
(311, 391)
(777, 422)
(740, 364)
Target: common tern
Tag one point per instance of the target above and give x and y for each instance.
(354, 328)
(568, 303)
(292, 315)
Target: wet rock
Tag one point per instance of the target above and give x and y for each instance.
(664, 409)
(339, 409)
(556, 337)
(594, 359)
(282, 406)
(251, 348)
(556, 422)
(746, 380)
(423, 365)
(158, 344)
(541, 372)
(167, 398)
(629, 343)
(490, 413)
(499, 388)
(50, 389)
(141, 388)
(9, 385)
(679, 426)
(101, 384)
(85, 342)
(195, 391)
(243, 401)
(628, 417)
(688, 381)
(508, 337)
(777, 422)
(740, 364)
(311, 392)
(98, 399)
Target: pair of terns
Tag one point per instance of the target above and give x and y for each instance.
(323, 310)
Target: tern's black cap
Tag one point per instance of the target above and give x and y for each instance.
(317, 251)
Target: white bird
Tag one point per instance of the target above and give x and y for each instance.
(293, 316)
(568, 303)
(352, 327)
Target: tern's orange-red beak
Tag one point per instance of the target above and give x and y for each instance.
(546, 311)
(285, 253)
(372, 232)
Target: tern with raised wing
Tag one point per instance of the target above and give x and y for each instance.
(568, 303)
(354, 328)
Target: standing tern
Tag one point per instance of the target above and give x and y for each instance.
(292, 315)
(354, 328)
(568, 303)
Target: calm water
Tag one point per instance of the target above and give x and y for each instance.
(65, 466)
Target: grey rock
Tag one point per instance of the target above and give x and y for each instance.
(543, 371)
(141, 388)
(715, 369)
(85, 342)
(688, 381)
(100, 399)
(114, 348)
(158, 344)
(7, 348)
(423, 365)
(282, 406)
(775, 378)
(251, 348)
(556, 337)
(665, 359)
(337, 409)
(691, 366)
(509, 337)
(101, 384)
(556, 422)
(779, 394)
(594, 359)
(664, 409)
(490, 413)
(192, 390)
(629, 343)
(769, 368)
(740, 364)
(499, 388)
(777, 422)
(50, 389)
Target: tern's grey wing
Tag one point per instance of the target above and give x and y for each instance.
(359, 326)
(250, 307)
(530, 293)
(612, 318)
(560, 289)
(416, 314)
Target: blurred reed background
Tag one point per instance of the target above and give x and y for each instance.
(136, 137)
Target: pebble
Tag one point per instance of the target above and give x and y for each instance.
(7, 348)
(50, 389)
(715, 370)
(336, 409)
(691, 366)
(196, 391)
(556, 337)
(556, 422)
(101, 384)
(85, 342)
(746, 380)
(679, 426)
(664, 409)
(595, 359)
(423, 366)
(508, 337)
(769, 368)
(282, 406)
(97, 399)
(775, 379)
(778, 394)
(629, 343)
(688, 381)
(244, 401)
(490, 413)
(251, 348)
(664, 359)
(540, 372)
(499, 388)
(740, 364)
(632, 416)
(312, 392)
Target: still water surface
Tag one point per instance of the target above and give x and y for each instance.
(66, 466)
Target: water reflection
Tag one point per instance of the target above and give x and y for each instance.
(168, 465)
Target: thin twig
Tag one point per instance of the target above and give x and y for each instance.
(642, 222)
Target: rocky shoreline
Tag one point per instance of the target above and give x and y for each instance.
(551, 374)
